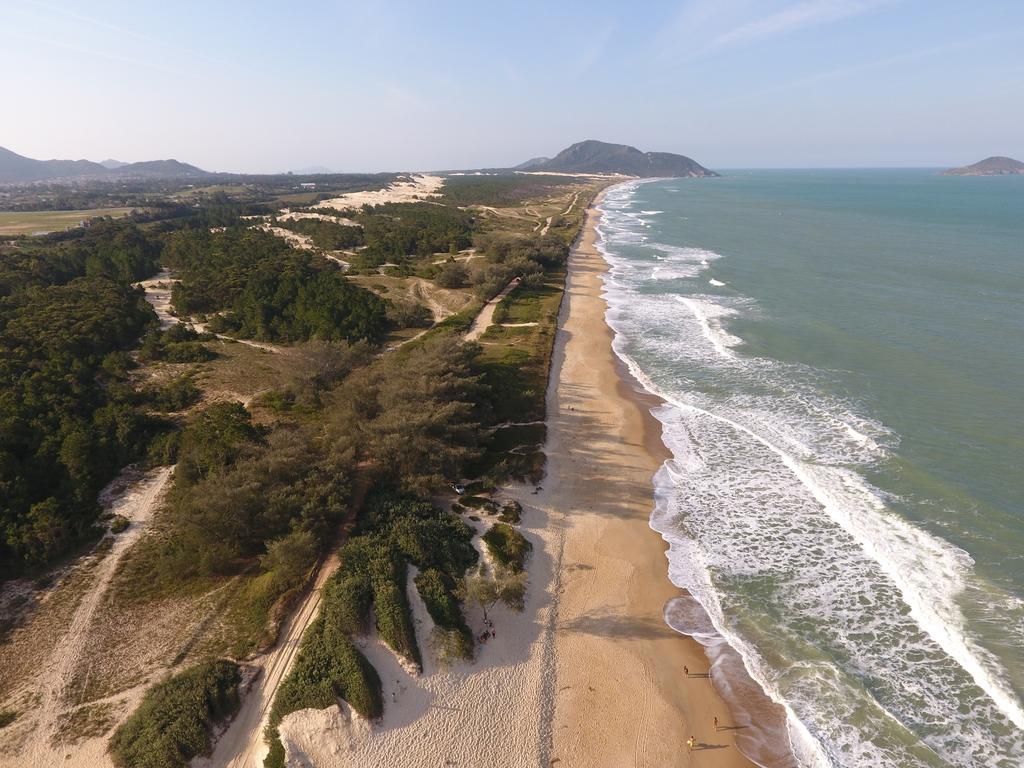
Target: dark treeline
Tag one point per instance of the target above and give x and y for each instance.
(397, 230)
(258, 287)
(68, 421)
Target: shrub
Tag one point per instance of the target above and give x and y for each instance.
(174, 722)
(452, 275)
(328, 667)
(119, 523)
(391, 605)
(175, 395)
(507, 546)
(347, 598)
(511, 512)
(454, 640)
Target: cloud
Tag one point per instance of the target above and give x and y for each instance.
(806, 14)
(704, 27)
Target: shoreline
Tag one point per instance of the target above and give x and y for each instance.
(622, 697)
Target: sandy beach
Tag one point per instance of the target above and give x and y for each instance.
(621, 695)
(588, 674)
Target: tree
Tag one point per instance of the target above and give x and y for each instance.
(486, 590)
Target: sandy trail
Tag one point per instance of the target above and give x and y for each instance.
(137, 502)
(158, 293)
(547, 226)
(572, 205)
(242, 745)
(485, 317)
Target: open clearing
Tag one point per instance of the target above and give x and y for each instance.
(42, 222)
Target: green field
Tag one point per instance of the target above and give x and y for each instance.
(41, 222)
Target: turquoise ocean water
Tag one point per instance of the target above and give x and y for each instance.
(842, 358)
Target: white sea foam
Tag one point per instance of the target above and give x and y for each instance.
(763, 486)
(716, 283)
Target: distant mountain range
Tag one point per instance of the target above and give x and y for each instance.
(600, 157)
(16, 168)
(990, 166)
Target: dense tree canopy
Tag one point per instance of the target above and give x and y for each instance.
(67, 310)
(263, 289)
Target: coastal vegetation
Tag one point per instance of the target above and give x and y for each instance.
(338, 436)
(256, 286)
(67, 417)
(176, 718)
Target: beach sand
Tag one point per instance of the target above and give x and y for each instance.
(588, 674)
(621, 698)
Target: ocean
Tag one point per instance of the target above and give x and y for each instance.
(841, 356)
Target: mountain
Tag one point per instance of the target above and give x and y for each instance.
(17, 168)
(533, 161)
(990, 166)
(14, 167)
(601, 157)
(160, 169)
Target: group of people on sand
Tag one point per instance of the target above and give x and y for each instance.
(489, 631)
(692, 741)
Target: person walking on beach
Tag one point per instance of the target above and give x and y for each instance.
(689, 744)
(716, 725)
(686, 671)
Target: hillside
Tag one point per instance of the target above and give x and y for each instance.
(601, 157)
(990, 166)
(14, 167)
(17, 168)
(163, 169)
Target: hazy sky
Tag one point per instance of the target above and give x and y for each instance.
(426, 84)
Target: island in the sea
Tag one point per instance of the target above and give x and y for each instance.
(990, 166)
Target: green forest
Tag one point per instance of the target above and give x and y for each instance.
(255, 286)
(68, 423)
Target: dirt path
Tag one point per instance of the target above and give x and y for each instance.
(547, 225)
(483, 320)
(242, 745)
(158, 293)
(137, 502)
(572, 205)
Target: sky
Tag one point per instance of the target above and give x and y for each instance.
(266, 87)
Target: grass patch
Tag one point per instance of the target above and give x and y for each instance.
(39, 222)
(87, 722)
(175, 720)
(507, 546)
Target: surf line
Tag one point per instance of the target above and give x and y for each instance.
(929, 620)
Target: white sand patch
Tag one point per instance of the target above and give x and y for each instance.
(288, 215)
(409, 189)
(294, 239)
(487, 712)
